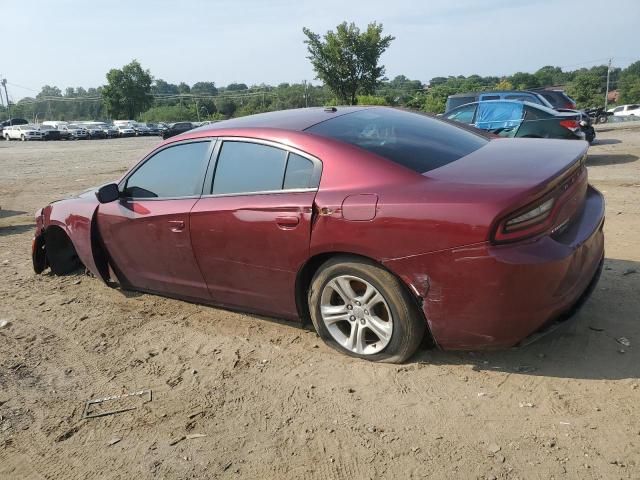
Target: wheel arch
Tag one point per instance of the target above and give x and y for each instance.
(59, 251)
(63, 230)
(312, 265)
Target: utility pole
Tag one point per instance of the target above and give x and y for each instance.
(306, 96)
(606, 95)
(4, 84)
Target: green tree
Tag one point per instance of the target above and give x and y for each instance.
(227, 107)
(586, 89)
(236, 87)
(48, 91)
(524, 81)
(204, 88)
(504, 85)
(550, 75)
(629, 84)
(164, 88)
(183, 88)
(371, 100)
(630, 91)
(128, 91)
(347, 60)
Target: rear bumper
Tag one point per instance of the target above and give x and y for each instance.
(488, 296)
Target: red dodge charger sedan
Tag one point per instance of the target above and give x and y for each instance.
(380, 225)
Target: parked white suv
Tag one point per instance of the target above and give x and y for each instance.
(624, 110)
(22, 132)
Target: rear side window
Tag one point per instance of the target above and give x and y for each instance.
(418, 142)
(463, 114)
(176, 171)
(532, 113)
(299, 173)
(244, 167)
(522, 98)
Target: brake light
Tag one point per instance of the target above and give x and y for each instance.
(526, 222)
(570, 124)
(570, 105)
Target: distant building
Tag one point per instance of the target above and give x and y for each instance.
(613, 96)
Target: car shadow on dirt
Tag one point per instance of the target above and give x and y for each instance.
(16, 229)
(10, 213)
(607, 141)
(602, 341)
(598, 159)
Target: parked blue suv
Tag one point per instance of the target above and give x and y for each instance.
(454, 101)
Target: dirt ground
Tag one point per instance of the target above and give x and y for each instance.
(266, 399)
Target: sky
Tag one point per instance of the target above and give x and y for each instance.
(70, 43)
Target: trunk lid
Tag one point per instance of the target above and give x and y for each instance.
(507, 175)
(513, 165)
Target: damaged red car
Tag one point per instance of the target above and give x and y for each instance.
(379, 225)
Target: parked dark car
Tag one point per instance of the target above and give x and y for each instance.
(141, 129)
(14, 121)
(96, 131)
(455, 101)
(598, 114)
(519, 119)
(109, 130)
(50, 133)
(177, 129)
(379, 225)
(153, 129)
(557, 98)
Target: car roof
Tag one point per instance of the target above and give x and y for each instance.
(489, 92)
(550, 111)
(298, 119)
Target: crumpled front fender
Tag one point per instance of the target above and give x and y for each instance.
(77, 218)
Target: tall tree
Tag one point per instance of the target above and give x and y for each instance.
(128, 91)
(49, 91)
(630, 83)
(346, 60)
(204, 88)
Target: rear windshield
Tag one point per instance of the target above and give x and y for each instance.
(415, 141)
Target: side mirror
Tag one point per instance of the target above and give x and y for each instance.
(108, 193)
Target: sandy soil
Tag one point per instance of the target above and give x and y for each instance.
(270, 398)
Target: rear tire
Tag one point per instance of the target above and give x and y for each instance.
(379, 321)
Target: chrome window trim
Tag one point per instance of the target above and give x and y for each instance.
(157, 199)
(261, 192)
(316, 176)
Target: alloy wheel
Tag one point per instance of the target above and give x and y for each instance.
(356, 315)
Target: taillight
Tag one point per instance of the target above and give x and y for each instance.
(526, 222)
(539, 216)
(570, 124)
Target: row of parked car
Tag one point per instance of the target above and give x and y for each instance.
(517, 113)
(21, 129)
